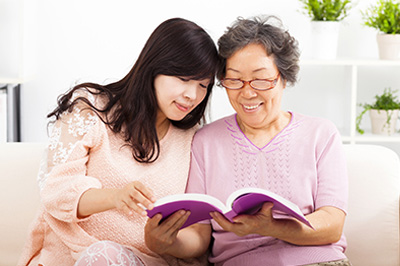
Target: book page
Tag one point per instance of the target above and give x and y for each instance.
(250, 201)
(192, 197)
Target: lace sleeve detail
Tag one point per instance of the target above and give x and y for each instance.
(66, 133)
(63, 176)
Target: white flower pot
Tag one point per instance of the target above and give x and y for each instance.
(380, 124)
(389, 46)
(324, 39)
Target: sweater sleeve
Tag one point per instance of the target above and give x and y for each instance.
(63, 177)
(332, 175)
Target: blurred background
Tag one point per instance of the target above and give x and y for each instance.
(48, 46)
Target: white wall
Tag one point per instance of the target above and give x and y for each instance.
(68, 42)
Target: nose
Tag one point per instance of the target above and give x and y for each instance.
(190, 92)
(247, 91)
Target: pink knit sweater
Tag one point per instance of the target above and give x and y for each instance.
(84, 153)
(305, 163)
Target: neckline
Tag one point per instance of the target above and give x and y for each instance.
(276, 136)
(166, 136)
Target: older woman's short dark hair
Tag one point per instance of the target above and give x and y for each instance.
(269, 32)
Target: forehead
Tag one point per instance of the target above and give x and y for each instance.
(250, 58)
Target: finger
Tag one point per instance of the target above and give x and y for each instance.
(127, 210)
(136, 197)
(267, 207)
(133, 206)
(181, 221)
(146, 192)
(155, 220)
(221, 220)
(174, 222)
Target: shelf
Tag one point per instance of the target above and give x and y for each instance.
(10, 81)
(369, 137)
(350, 62)
(353, 67)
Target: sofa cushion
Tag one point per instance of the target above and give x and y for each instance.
(19, 197)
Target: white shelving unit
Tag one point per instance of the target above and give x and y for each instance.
(351, 74)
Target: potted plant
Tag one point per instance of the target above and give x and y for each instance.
(385, 17)
(325, 17)
(383, 113)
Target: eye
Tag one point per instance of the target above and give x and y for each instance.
(203, 86)
(184, 79)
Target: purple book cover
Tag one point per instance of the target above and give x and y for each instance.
(243, 201)
(199, 210)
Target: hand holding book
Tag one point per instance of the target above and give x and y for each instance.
(242, 201)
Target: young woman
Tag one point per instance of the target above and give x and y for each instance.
(115, 148)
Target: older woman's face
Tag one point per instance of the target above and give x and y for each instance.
(255, 109)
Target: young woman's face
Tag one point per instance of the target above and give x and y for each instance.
(178, 96)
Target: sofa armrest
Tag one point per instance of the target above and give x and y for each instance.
(19, 196)
(372, 223)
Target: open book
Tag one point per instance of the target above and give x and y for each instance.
(242, 201)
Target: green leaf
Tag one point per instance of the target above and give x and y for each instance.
(384, 16)
(386, 101)
(326, 10)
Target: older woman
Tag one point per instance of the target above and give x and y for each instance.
(296, 156)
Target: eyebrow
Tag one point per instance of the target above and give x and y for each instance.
(237, 71)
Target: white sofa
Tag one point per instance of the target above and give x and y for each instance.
(372, 225)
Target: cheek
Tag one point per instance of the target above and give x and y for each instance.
(232, 95)
(202, 94)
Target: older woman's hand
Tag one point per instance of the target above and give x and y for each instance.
(327, 222)
(258, 223)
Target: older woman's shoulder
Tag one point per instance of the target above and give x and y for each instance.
(313, 121)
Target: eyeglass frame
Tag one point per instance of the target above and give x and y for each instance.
(244, 82)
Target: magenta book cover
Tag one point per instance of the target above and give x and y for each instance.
(199, 210)
(243, 201)
(251, 203)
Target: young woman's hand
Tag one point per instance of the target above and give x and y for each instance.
(128, 199)
(133, 197)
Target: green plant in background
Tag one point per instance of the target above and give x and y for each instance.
(326, 10)
(387, 101)
(384, 16)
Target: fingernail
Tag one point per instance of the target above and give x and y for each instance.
(144, 213)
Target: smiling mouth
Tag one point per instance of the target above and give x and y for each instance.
(251, 107)
(181, 107)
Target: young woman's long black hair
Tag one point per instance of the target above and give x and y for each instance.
(177, 47)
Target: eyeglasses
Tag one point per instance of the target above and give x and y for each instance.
(257, 84)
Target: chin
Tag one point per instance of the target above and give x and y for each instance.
(177, 117)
